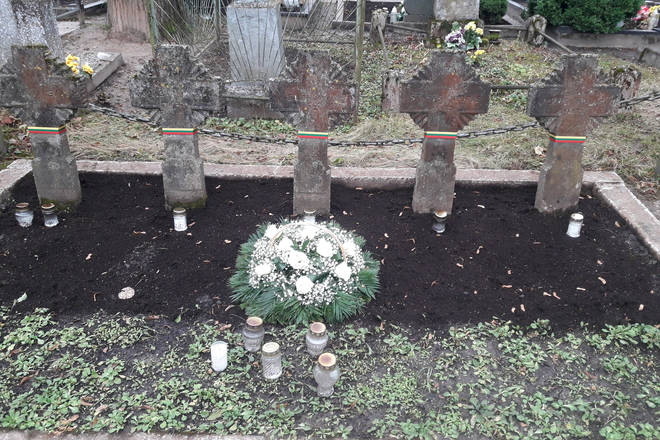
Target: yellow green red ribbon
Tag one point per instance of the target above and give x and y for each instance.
(312, 135)
(440, 134)
(567, 139)
(47, 130)
(180, 131)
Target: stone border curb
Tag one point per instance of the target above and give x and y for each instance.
(606, 185)
(34, 435)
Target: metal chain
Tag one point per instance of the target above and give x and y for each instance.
(270, 140)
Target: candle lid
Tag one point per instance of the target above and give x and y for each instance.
(254, 321)
(577, 217)
(48, 206)
(440, 215)
(270, 347)
(327, 360)
(22, 206)
(317, 328)
(179, 210)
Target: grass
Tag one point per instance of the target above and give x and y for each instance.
(119, 373)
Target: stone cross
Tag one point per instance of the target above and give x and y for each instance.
(45, 94)
(183, 91)
(443, 97)
(568, 103)
(315, 93)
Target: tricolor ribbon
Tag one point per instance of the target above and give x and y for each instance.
(440, 134)
(312, 135)
(567, 139)
(47, 130)
(180, 131)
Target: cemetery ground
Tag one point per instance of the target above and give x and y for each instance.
(503, 327)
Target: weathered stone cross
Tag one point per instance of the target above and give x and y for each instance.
(443, 97)
(45, 94)
(308, 100)
(568, 103)
(182, 89)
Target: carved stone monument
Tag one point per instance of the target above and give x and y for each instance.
(45, 94)
(314, 92)
(184, 92)
(568, 103)
(442, 98)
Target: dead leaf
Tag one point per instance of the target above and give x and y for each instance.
(590, 376)
(344, 212)
(479, 249)
(513, 310)
(152, 317)
(83, 403)
(88, 256)
(459, 265)
(100, 409)
(224, 327)
(546, 294)
(617, 224)
(539, 151)
(602, 280)
(536, 242)
(509, 271)
(199, 242)
(580, 288)
(507, 286)
(227, 241)
(229, 307)
(522, 307)
(641, 307)
(385, 247)
(555, 295)
(599, 262)
(386, 236)
(481, 206)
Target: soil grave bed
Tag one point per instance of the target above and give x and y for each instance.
(499, 257)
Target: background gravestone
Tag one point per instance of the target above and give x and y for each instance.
(456, 10)
(315, 91)
(569, 103)
(25, 22)
(45, 94)
(184, 92)
(442, 98)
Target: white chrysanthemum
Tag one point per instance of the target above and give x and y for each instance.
(285, 244)
(304, 285)
(263, 269)
(324, 248)
(308, 232)
(343, 271)
(271, 231)
(298, 260)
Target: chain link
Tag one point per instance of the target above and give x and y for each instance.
(270, 140)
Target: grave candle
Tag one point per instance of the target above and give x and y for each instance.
(326, 374)
(440, 219)
(219, 356)
(316, 339)
(575, 225)
(271, 360)
(310, 216)
(253, 333)
(24, 215)
(180, 222)
(50, 216)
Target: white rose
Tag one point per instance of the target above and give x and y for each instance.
(324, 248)
(350, 248)
(262, 269)
(285, 244)
(343, 271)
(271, 231)
(308, 232)
(298, 260)
(304, 285)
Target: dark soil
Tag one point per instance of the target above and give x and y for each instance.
(499, 257)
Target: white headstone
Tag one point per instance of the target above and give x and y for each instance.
(24, 22)
(455, 10)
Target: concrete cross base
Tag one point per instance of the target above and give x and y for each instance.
(561, 179)
(183, 183)
(434, 187)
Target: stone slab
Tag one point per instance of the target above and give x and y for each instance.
(107, 67)
(606, 185)
(650, 56)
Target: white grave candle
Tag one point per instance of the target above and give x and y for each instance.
(219, 356)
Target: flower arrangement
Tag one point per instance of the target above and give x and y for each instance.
(641, 20)
(299, 272)
(464, 38)
(476, 56)
(73, 62)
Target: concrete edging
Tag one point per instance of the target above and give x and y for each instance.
(606, 185)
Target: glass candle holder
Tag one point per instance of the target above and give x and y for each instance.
(439, 221)
(326, 374)
(253, 333)
(575, 225)
(271, 360)
(24, 215)
(180, 222)
(310, 216)
(219, 356)
(50, 215)
(316, 339)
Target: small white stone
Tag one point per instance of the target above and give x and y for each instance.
(127, 293)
